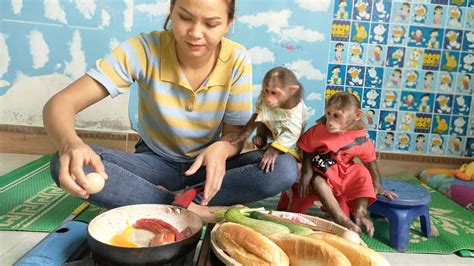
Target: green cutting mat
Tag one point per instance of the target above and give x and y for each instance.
(31, 201)
(452, 226)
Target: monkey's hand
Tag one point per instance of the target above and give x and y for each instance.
(304, 186)
(259, 141)
(238, 139)
(268, 161)
(389, 194)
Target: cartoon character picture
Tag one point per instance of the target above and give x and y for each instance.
(424, 104)
(445, 80)
(416, 37)
(381, 12)
(455, 146)
(355, 76)
(388, 120)
(408, 101)
(387, 141)
(402, 13)
(459, 124)
(395, 56)
(379, 36)
(452, 40)
(339, 53)
(428, 81)
(390, 99)
(393, 80)
(419, 16)
(335, 78)
(443, 104)
(462, 104)
(373, 77)
(370, 118)
(437, 144)
(450, 61)
(357, 54)
(371, 98)
(362, 10)
(360, 33)
(415, 57)
(441, 125)
(438, 15)
(455, 17)
(420, 143)
(403, 142)
(411, 80)
(469, 41)
(406, 121)
(467, 63)
(464, 84)
(375, 56)
(398, 34)
(433, 41)
(341, 12)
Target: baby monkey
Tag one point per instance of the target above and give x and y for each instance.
(329, 149)
(280, 115)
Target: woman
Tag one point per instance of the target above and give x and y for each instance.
(195, 93)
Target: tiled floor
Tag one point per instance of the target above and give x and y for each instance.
(13, 245)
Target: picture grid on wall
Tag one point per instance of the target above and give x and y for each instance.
(411, 64)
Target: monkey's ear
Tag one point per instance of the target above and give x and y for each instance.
(294, 88)
(358, 114)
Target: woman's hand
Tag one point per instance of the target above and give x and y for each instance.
(214, 158)
(73, 157)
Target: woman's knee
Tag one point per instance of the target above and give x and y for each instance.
(287, 167)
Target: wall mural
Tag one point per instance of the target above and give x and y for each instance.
(411, 64)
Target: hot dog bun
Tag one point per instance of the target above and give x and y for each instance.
(358, 255)
(303, 250)
(248, 246)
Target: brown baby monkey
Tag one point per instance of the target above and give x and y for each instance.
(280, 115)
(329, 148)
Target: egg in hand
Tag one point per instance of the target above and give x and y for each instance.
(95, 183)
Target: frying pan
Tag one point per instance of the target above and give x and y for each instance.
(112, 222)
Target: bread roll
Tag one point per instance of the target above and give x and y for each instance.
(358, 255)
(249, 247)
(303, 250)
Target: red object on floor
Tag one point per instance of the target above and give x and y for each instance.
(291, 201)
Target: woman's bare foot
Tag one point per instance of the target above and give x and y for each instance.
(206, 212)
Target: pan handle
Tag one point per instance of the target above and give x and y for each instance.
(187, 197)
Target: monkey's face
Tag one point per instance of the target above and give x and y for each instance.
(274, 94)
(340, 121)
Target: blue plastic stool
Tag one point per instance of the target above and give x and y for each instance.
(412, 202)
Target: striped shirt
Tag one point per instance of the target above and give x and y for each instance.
(173, 120)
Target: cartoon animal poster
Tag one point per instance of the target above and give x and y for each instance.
(412, 65)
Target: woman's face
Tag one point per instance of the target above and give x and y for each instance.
(199, 25)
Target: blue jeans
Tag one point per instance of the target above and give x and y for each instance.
(134, 178)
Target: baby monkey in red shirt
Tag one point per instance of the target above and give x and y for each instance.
(329, 147)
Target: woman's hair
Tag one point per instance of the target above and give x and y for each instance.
(286, 77)
(230, 11)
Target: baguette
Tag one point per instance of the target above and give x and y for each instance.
(249, 247)
(303, 250)
(358, 255)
